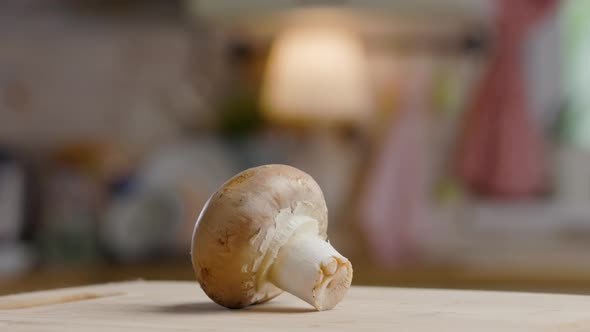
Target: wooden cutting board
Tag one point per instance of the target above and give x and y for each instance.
(182, 306)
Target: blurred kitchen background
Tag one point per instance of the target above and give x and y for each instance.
(451, 138)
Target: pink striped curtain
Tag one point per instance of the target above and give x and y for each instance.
(395, 208)
(501, 148)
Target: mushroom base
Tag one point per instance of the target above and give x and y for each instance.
(311, 269)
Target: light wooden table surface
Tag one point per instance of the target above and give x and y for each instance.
(506, 277)
(182, 306)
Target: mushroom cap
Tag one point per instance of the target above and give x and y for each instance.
(242, 227)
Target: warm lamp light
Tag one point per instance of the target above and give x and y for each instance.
(317, 74)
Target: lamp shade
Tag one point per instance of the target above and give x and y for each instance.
(317, 74)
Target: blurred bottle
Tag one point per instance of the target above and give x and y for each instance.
(68, 232)
(16, 255)
(139, 225)
(73, 195)
(153, 211)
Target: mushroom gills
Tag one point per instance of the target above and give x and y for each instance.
(311, 269)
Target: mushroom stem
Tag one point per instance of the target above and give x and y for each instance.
(311, 269)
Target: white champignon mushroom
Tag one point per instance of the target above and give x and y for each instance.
(264, 231)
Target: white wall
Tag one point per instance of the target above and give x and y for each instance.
(84, 78)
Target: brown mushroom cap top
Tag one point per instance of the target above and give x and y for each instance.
(244, 224)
